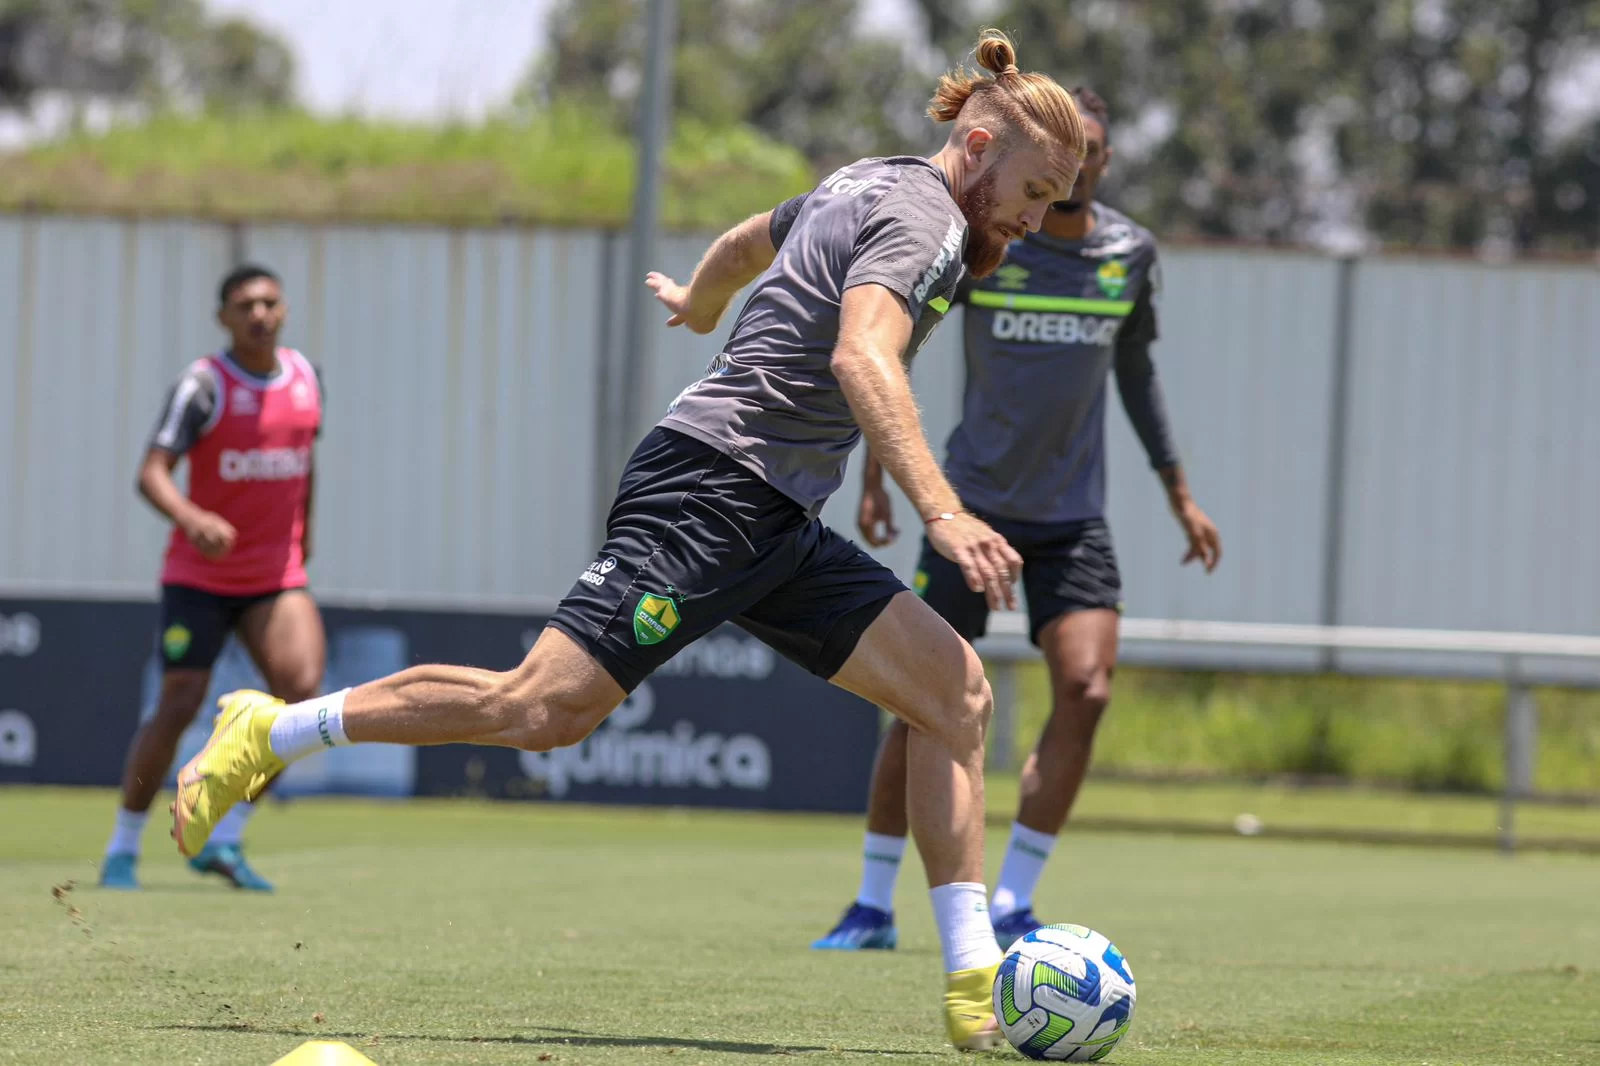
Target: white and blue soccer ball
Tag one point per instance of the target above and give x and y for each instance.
(1064, 993)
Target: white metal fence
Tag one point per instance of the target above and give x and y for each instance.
(1384, 441)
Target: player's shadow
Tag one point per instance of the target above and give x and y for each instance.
(175, 888)
(555, 1038)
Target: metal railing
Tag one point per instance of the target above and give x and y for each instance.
(1518, 660)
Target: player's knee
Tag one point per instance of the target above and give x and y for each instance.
(568, 721)
(535, 717)
(979, 703)
(1083, 689)
(970, 713)
(180, 701)
(298, 685)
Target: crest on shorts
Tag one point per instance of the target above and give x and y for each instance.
(919, 583)
(175, 641)
(655, 618)
(1113, 277)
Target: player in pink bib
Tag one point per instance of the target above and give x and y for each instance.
(247, 419)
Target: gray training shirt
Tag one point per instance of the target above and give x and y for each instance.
(770, 400)
(1041, 334)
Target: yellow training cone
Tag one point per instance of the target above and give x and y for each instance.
(324, 1053)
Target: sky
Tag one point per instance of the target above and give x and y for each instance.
(427, 60)
(423, 59)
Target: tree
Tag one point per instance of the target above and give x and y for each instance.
(153, 52)
(236, 64)
(798, 72)
(1417, 122)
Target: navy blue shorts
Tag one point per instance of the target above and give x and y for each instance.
(1066, 567)
(195, 624)
(695, 540)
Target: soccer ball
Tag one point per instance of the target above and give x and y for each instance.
(1064, 993)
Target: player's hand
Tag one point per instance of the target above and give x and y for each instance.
(675, 298)
(1205, 543)
(211, 534)
(990, 565)
(875, 519)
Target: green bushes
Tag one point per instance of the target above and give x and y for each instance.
(564, 166)
(1418, 734)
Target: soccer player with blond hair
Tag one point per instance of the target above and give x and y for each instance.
(715, 518)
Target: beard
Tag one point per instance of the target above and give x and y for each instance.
(986, 245)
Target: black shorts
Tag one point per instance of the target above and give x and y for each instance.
(195, 624)
(1066, 567)
(695, 540)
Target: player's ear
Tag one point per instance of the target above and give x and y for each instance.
(979, 146)
(1107, 164)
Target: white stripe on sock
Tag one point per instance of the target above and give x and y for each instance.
(1025, 857)
(880, 867)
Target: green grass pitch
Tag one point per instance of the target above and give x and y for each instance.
(464, 932)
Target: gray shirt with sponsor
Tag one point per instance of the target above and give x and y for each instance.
(1042, 333)
(770, 400)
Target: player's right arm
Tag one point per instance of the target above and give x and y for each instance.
(874, 329)
(188, 413)
(733, 261)
(875, 516)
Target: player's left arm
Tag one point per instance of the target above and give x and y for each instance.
(1140, 389)
(311, 496)
(733, 261)
(311, 469)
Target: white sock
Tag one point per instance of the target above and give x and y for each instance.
(125, 837)
(962, 911)
(880, 866)
(231, 829)
(1019, 874)
(302, 728)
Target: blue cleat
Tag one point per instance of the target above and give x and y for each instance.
(228, 861)
(117, 872)
(862, 928)
(1010, 928)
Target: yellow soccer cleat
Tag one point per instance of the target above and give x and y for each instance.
(969, 1009)
(236, 764)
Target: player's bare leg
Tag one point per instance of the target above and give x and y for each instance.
(154, 745)
(912, 663)
(149, 758)
(555, 698)
(886, 803)
(287, 642)
(285, 638)
(1080, 650)
(868, 923)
